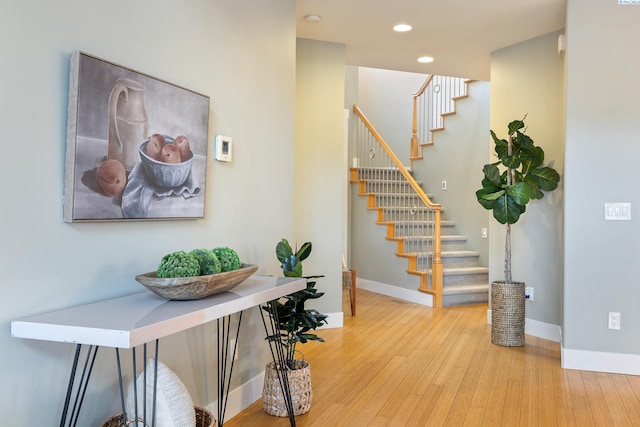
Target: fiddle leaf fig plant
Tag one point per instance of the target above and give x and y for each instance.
(518, 177)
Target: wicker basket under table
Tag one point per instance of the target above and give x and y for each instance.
(299, 385)
(203, 419)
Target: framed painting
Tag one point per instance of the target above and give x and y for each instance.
(136, 145)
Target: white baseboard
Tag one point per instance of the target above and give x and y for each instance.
(532, 327)
(616, 363)
(538, 329)
(396, 292)
(334, 320)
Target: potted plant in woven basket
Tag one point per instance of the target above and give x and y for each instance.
(518, 177)
(295, 324)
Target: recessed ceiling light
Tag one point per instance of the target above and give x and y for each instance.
(401, 28)
(425, 59)
(312, 19)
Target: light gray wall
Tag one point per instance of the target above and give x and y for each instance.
(457, 156)
(385, 98)
(242, 54)
(320, 165)
(350, 98)
(601, 258)
(527, 78)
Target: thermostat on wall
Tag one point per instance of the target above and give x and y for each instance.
(223, 148)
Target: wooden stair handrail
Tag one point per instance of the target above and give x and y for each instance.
(403, 170)
(424, 87)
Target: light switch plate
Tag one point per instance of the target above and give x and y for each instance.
(223, 148)
(617, 211)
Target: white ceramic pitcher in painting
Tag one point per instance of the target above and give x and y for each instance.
(128, 123)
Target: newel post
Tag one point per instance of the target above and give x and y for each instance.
(436, 269)
(414, 130)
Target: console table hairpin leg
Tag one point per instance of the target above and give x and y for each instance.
(136, 411)
(90, 358)
(225, 362)
(274, 337)
(83, 381)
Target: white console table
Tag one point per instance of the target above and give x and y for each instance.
(136, 320)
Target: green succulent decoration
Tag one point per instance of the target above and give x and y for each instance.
(179, 264)
(518, 177)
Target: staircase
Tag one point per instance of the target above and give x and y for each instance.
(425, 236)
(464, 281)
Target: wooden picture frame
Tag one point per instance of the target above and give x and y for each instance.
(112, 169)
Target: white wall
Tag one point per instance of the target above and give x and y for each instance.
(527, 78)
(601, 263)
(241, 53)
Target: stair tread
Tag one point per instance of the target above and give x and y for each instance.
(442, 222)
(395, 181)
(382, 168)
(464, 270)
(452, 271)
(404, 196)
(445, 237)
(451, 254)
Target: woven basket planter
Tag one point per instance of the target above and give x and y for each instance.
(507, 314)
(299, 384)
(203, 419)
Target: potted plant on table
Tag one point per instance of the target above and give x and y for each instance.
(294, 324)
(509, 184)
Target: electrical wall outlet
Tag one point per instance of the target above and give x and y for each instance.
(528, 294)
(444, 185)
(614, 320)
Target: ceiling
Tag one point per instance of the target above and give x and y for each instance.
(459, 34)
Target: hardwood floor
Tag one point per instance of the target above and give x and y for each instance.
(402, 364)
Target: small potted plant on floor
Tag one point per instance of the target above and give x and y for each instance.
(518, 177)
(295, 323)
